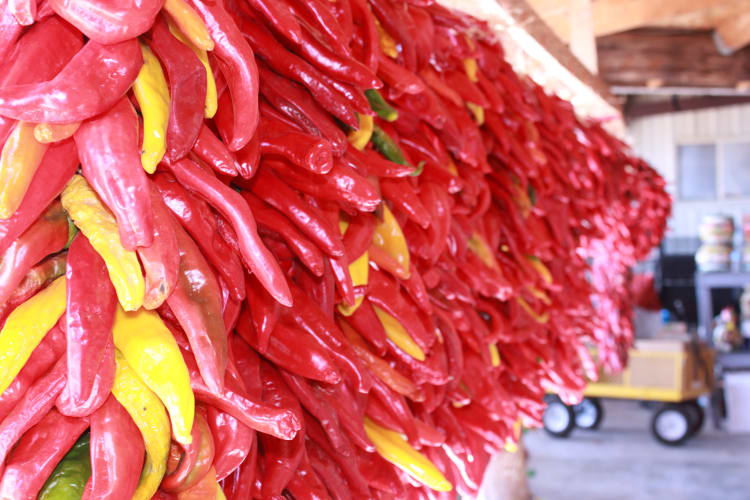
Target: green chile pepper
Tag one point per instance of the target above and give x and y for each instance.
(387, 146)
(69, 478)
(382, 108)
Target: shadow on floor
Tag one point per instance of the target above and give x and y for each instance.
(622, 461)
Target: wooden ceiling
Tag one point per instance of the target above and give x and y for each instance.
(671, 47)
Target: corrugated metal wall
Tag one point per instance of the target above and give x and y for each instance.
(656, 138)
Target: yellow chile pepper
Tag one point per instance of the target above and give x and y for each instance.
(54, 132)
(494, 355)
(359, 271)
(539, 294)
(522, 200)
(212, 100)
(25, 328)
(395, 449)
(360, 137)
(387, 43)
(479, 246)
(151, 91)
(149, 414)
(471, 68)
(19, 160)
(190, 23)
(98, 225)
(389, 238)
(537, 264)
(511, 443)
(150, 348)
(539, 318)
(398, 335)
(452, 167)
(477, 112)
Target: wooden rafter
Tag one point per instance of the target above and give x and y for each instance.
(733, 33)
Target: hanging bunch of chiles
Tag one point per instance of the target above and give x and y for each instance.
(306, 249)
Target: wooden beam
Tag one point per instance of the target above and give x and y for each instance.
(676, 58)
(635, 108)
(733, 33)
(582, 40)
(614, 16)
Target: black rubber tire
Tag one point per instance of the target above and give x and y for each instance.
(589, 404)
(556, 409)
(674, 412)
(697, 416)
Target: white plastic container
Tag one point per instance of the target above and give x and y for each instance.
(716, 229)
(737, 397)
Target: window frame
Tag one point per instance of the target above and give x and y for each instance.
(721, 178)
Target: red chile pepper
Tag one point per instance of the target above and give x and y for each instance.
(237, 64)
(320, 17)
(281, 17)
(230, 204)
(161, 261)
(187, 90)
(305, 484)
(268, 187)
(195, 461)
(292, 349)
(280, 457)
(233, 400)
(34, 458)
(313, 320)
(273, 220)
(358, 235)
(393, 19)
(10, 30)
(402, 195)
(337, 66)
(31, 408)
(239, 485)
(398, 78)
(366, 323)
(233, 441)
(339, 265)
(100, 390)
(350, 413)
(328, 472)
(353, 95)
(58, 165)
(37, 278)
(342, 184)
(212, 151)
(380, 475)
(488, 88)
(117, 450)
(324, 415)
(292, 100)
(322, 290)
(347, 463)
(196, 303)
(42, 358)
(387, 295)
(368, 32)
(372, 163)
(295, 68)
(248, 158)
(91, 83)
(396, 406)
(111, 161)
(108, 21)
(49, 234)
(197, 218)
(264, 312)
(90, 313)
(303, 150)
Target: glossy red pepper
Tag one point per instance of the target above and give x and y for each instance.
(366, 323)
(109, 21)
(295, 68)
(100, 389)
(10, 29)
(320, 17)
(117, 449)
(194, 462)
(90, 313)
(187, 90)
(48, 235)
(305, 484)
(237, 64)
(196, 303)
(328, 472)
(269, 187)
(368, 32)
(264, 313)
(34, 458)
(197, 218)
(111, 162)
(233, 441)
(302, 150)
(230, 204)
(89, 84)
(212, 151)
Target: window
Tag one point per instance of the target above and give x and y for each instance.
(736, 169)
(697, 171)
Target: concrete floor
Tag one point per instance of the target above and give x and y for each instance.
(622, 461)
